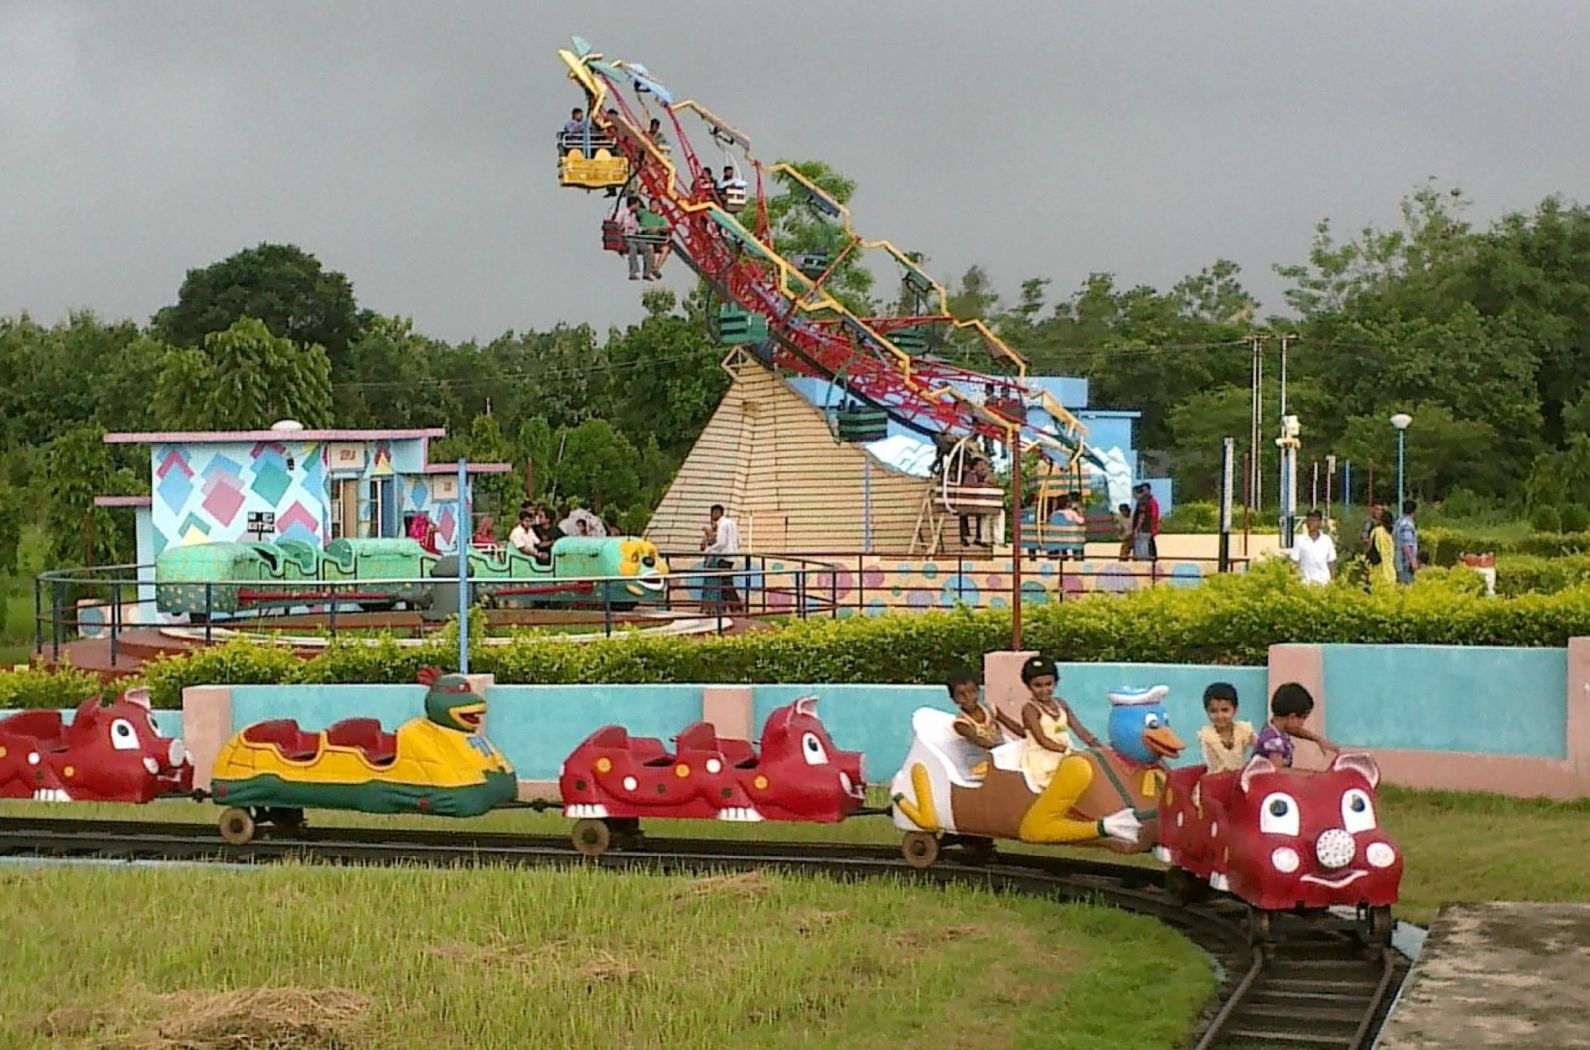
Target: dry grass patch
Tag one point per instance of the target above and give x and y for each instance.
(248, 1019)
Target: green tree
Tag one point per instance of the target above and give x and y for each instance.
(279, 284)
(390, 379)
(798, 226)
(600, 467)
(245, 378)
(484, 443)
(665, 377)
(78, 466)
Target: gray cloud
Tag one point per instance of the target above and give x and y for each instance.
(409, 144)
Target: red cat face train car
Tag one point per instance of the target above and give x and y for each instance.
(1283, 839)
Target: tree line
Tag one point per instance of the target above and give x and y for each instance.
(1477, 332)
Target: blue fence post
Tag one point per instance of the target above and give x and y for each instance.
(209, 612)
(38, 615)
(115, 621)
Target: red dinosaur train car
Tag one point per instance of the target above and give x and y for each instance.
(613, 779)
(1284, 840)
(109, 752)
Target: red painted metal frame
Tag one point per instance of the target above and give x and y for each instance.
(845, 350)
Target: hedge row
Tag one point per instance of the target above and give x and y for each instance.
(1443, 546)
(1518, 574)
(1227, 620)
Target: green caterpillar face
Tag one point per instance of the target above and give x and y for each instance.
(452, 704)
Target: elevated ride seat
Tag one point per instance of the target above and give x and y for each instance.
(44, 728)
(291, 742)
(697, 736)
(378, 747)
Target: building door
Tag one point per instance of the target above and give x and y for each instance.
(345, 509)
(384, 496)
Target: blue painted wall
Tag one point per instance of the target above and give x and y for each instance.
(168, 722)
(1086, 688)
(317, 706)
(536, 726)
(872, 719)
(1495, 701)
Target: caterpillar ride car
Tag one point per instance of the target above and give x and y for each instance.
(440, 763)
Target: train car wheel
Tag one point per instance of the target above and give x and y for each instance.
(1183, 886)
(1259, 925)
(237, 827)
(1381, 926)
(920, 848)
(591, 837)
(978, 851)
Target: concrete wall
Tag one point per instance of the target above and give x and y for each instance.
(1510, 721)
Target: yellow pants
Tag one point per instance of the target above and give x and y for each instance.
(1049, 819)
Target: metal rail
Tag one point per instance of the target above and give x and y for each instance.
(1312, 989)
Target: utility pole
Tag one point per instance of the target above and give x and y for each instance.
(1288, 443)
(1255, 471)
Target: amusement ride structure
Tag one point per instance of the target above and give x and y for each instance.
(780, 307)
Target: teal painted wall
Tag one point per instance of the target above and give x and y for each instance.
(872, 719)
(536, 726)
(1086, 688)
(168, 722)
(317, 706)
(1496, 701)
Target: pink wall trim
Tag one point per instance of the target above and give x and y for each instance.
(728, 708)
(472, 468)
(1305, 665)
(1002, 688)
(195, 437)
(206, 725)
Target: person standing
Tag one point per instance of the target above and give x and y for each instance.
(1314, 552)
(1145, 524)
(634, 247)
(724, 545)
(1406, 537)
(1125, 528)
(1381, 553)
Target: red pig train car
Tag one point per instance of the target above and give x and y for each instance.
(613, 780)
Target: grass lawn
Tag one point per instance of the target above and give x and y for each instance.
(319, 957)
(1459, 846)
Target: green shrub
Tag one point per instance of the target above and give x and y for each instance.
(1443, 546)
(1545, 519)
(1227, 620)
(1518, 574)
(64, 688)
(1575, 518)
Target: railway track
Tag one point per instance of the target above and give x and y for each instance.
(1313, 986)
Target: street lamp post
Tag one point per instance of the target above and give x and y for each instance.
(1401, 421)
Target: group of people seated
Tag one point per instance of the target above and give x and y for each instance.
(536, 532)
(1048, 732)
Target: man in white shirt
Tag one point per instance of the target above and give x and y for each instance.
(724, 544)
(1315, 552)
(523, 538)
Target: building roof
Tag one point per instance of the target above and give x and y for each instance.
(201, 437)
(123, 501)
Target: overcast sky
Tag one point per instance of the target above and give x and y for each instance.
(409, 144)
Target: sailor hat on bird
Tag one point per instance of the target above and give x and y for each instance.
(1130, 696)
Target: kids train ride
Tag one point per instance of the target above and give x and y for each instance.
(1283, 841)
(227, 579)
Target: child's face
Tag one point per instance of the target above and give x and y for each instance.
(1042, 688)
(965, 695)
(1220, 712)
(1291, 724)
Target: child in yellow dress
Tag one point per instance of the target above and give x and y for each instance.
(1046, 724)
(1224, 741)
